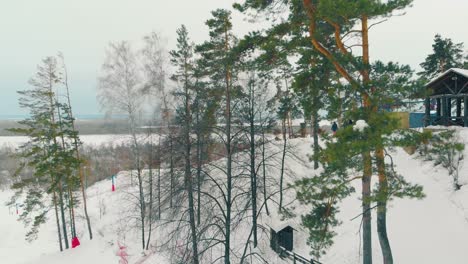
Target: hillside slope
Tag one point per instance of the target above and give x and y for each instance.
(431, 231)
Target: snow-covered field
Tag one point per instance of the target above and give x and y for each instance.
(430, 231)
(88, 140)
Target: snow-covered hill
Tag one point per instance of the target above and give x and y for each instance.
(431, 231)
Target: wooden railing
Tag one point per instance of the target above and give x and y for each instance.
(296, 258)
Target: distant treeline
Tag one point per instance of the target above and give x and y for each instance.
(84, 127)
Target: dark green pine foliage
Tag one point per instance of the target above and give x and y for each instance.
(220, 73)
(327, 20)
(343, 161)
(182, 59)
(445, 55)
(49, 152)
(203, 123)
(312, 83)
(445, 148)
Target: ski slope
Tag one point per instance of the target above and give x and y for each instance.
(431, 231)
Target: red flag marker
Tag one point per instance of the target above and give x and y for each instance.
(113, 182)
(75, 242)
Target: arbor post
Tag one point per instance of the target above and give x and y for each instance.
(465, 114)
(438, 108)
(444, 112)
(449, 107)
(427, 118)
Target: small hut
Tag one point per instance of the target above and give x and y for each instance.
(448, 94)
(282, 236)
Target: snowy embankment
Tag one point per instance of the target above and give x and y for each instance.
(111, 226)
(431, 231)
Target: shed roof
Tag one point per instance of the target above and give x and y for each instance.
(279, 225)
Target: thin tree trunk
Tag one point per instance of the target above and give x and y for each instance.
(315, 127)
(142, 207)
(159, 179)
(136, 153)
(199, 169)
(282, 166)
(253, 173)
(83, 193)
(265, 196)
(58, 222)
(171, 169)
(62, 213)
(188, 168)
(59, 180)
(72, 212)
(75, 142)
(150, 209)
(189, 186)
(227, 243)
(68, 180)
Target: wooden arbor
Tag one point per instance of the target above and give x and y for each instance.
(449, 93)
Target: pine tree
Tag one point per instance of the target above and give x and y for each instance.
(182, 59)
(53, 161)
(216, 56)
(312, 83)
(73, 134)
(344, 18)
(446, 54)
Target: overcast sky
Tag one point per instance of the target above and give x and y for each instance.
(81, 29)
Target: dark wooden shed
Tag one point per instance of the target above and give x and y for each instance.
(448, 96)
(282, 238)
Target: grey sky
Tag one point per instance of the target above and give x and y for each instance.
(81, 29)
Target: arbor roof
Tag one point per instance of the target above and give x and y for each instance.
(453, 81)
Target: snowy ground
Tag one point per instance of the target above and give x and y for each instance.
(431, 231)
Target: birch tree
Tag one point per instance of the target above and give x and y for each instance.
(119, 91)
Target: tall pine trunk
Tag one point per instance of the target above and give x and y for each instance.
(382, 208)
(366, 179)
(227, 231)
(77, 151)
(366, 210)
(188, 167)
